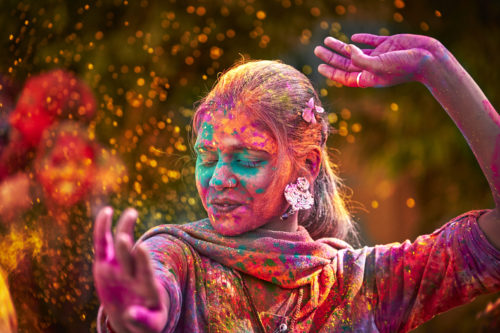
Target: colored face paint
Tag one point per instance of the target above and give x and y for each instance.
(235, 168)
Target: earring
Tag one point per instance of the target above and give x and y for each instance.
(298, 196)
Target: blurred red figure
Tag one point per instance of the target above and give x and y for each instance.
(53, 174)
(44, 99)
(71, 167)
(55, 95)
(72, 175)
(66, 164)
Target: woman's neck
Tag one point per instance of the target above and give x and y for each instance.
(289, 224)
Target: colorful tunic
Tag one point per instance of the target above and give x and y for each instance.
(253, 282)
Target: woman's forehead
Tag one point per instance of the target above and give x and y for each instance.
(229, 129)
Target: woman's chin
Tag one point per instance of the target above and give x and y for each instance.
(229, 227)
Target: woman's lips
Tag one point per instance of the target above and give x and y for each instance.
(224, 207)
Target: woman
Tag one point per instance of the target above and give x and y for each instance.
(263, 176)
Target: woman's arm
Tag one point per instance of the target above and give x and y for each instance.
(413, 282)
(478, 121)
(403, 58)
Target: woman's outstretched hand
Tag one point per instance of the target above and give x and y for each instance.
(392, 60)
(131, 296)
(402, 58)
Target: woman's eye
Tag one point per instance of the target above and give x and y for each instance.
(249, 164)
(209, 162)
(206, 161)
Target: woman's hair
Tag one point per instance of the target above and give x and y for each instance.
(275, 94)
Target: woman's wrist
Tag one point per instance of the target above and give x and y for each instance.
(490, 225)
(437, 67)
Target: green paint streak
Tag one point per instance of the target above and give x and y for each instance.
(269, 262)
(208, 131)
(259, 191)
(172, 272)
(282, 258)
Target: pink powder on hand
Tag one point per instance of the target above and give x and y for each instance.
(495, 168)
(491, 112)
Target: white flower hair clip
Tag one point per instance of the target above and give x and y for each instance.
(308, 112)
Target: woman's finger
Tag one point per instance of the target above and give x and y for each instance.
(336, 45)
(143, 318)
(145, 275)
(126, 223)
(124, 240)
(334, 59)
(365, 61)
(338, 75)
(368, 79)
(123, 248)
(139, 317)
(103, 239)
(368, 39)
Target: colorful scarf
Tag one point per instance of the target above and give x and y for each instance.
(287, 259)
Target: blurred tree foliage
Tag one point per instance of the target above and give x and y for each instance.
(148, 62)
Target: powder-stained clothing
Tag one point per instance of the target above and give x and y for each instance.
(219, 284)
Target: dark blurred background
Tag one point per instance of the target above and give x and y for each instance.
(147, 63)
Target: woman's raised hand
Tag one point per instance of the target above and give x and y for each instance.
(402, 58)
(131, 296)
(392, 60)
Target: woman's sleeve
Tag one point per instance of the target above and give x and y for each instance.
(169, 260)
(415, 281)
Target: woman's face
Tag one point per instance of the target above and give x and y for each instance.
(235, 168)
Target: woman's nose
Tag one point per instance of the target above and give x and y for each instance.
(223, 177)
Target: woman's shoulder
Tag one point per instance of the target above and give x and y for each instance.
(175, 241)
(176, 229)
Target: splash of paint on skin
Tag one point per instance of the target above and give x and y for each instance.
(208, 131)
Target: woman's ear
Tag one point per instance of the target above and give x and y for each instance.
(313, 162)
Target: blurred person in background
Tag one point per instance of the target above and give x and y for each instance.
(53, 174)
